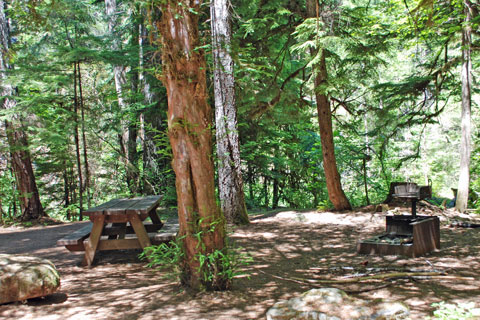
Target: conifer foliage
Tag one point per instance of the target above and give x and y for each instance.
(85, 101)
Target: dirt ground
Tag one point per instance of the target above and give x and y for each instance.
(289, 249)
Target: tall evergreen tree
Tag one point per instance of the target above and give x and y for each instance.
(466, 140)
(128, 131)
(17, 138)
(332, 177)
(230, 181)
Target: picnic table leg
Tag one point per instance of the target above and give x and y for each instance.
(139, 229)
(91, 243)
(155, 219)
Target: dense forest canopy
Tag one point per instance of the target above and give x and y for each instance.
(85, 79)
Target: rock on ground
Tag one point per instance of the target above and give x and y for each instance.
(25, 277)
(335, 304)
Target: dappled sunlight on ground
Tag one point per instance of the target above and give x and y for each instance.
(289, 249)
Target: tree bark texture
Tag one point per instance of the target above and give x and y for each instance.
(84, 138)
(16, 136)
(332, 177)
(466, 139)
(230, 181)
(77, 141)
(189, 129)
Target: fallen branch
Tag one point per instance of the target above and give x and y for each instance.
(319, 283)
(384, 276)
(376, 269)
(375, 277)
(312, 285)
(444, 278)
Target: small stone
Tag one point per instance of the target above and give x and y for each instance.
(26, 277)
(391, 310)
(335, 304)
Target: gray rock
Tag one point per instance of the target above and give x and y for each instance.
(335, 304)
(25, 277)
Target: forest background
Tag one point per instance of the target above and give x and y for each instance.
(93, 110)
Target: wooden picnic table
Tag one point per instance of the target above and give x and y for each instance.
(112, 221)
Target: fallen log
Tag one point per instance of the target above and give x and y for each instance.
(464, 224)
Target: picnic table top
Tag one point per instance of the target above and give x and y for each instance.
(139, 205)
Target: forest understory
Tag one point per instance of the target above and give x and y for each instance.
(292, 251)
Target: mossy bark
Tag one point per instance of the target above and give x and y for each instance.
(189, 129)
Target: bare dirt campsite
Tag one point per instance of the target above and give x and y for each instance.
(292, 251)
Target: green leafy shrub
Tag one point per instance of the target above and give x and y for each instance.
(165, 257)
(461, 311)
(217, 269)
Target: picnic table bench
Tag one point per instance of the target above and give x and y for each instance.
(74, 240)
(118, 224)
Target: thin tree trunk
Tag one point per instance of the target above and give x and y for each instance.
(365, 185)
(155, 163)
(251, 183)
(84, 139)
(17, 138)
(118, 71)
(2, 213)
(276, 194)
(142, 79)
(332, 177)
(366, 156)
(132, 169)
(77, 142)
(266, 182)
(466, 139)
(189, 123)
(230, 182)
(66, 191)
(13, 211)
(120, 82)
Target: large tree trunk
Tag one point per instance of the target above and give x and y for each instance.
(466, 140)
(189, 124)
(22, 166)
(230, 182)
(17, 138)
(332, 177)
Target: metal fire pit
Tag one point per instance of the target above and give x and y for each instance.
(408, 235)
